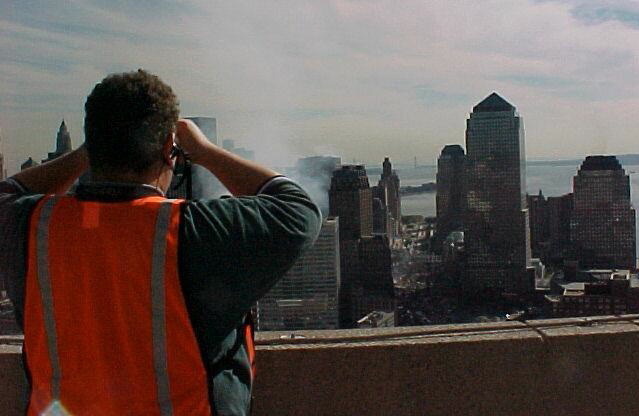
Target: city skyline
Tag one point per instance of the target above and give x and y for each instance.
(355, 79)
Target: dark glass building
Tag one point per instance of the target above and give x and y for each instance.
(538, 219)
(559, 211)
(450, 201)
(350, 198)
(496, 231)
(603, 230)
(365, 260)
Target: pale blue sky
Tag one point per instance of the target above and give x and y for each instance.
(360, 79)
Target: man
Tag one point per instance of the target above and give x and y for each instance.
(132, 303)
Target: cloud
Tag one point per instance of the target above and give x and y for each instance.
(363, 79)
(595, 12)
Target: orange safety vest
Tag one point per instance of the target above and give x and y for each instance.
(106, 328)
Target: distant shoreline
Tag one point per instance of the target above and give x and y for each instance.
(630, 159)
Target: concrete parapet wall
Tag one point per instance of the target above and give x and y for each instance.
(576, 366)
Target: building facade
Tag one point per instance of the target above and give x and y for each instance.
(450, 198)
(351, 199)
(496, 230)
(390, 181)
(382, 219)
(613, 292)
(559, 211)
(365, 259)
(374, 289)
(603, 230)
(307, 297)
(538, 219)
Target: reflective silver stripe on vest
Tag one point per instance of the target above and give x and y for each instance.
(46, 293)
(158, 306)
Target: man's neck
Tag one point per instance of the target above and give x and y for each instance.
(134, 179)
(158, 179)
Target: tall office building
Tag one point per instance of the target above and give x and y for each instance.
(450, 191)
(497, 239)
(350, 199)
(603, 220)
(559, 210)
(390, 181)
(383, 221)
(538, 219)
(307, 297)
(363, 258)
(62, 143)
(205, 184)
(374, 290)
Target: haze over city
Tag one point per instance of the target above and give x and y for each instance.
(358, 79)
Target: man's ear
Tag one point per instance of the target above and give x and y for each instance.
(167, 149)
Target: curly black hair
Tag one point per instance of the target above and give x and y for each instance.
(128, 117)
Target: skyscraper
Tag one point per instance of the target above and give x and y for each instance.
(538, 219)
(603, 220)
(62, 143)
(374, 290)
(497, 239)
(350, 198)
(559, 210)
(383, 221)
(450, 191)
(390, 181)
(307, 297)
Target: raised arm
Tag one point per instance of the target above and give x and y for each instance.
(240, 176)
(57, 176)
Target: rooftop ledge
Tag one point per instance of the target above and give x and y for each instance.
(573, 366)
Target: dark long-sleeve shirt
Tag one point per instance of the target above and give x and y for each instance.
(231, 251)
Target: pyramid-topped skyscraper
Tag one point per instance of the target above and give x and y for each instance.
(497, 240)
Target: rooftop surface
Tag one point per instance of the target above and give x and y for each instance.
(601, 163)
